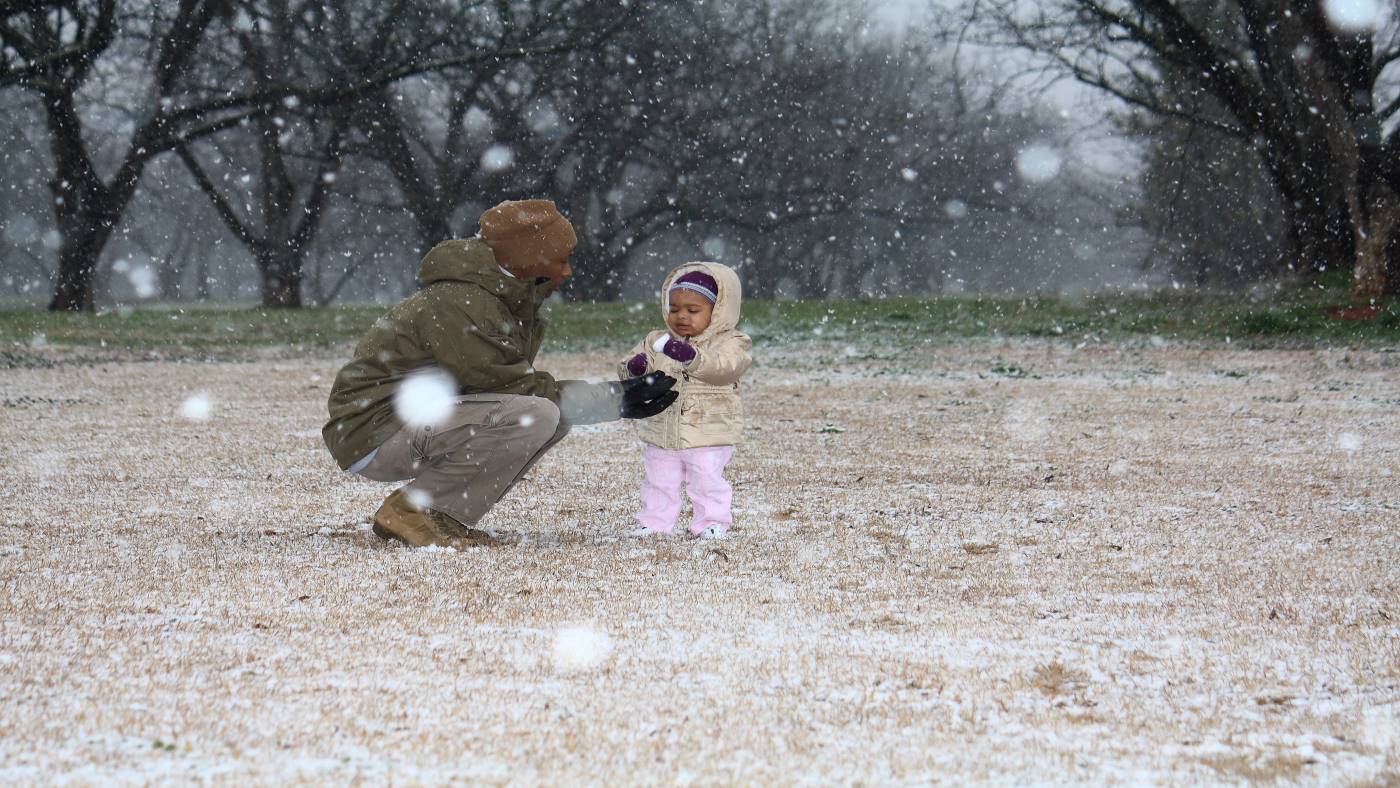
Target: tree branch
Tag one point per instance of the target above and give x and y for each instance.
(225, 210)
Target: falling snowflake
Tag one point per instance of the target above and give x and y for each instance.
(1038, 163)
(580, 648)
(497, 158)
(476, 121)
(143, 281)
(425, 398)
(543, 118)
(21, 230)
(1354, 16)
(419, 498)
(195, 407)
(909, 174)
(955, 210)
(1349, 441)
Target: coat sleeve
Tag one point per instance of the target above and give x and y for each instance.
(640, 347)
(722, 362)
(481, 359)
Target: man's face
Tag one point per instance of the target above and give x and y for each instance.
(556, 270)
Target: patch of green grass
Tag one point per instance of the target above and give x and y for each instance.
(1301, 316)
(188, 330)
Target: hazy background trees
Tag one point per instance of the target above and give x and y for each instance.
(1306, 88)
(297, 151)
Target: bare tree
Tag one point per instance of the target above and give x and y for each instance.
(467, 138)
(1207, 202)
(1314, 96)
(53, 48)
(151, 52)
(296, 152)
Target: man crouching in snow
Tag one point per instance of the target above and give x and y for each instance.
(443, 389)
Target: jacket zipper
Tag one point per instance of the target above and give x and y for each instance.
(530, 329)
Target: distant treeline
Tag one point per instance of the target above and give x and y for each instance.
(153, 149)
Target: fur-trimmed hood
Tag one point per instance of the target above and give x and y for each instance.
(727, 307)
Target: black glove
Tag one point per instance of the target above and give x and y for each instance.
(647, 395)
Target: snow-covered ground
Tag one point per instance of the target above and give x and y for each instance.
(987, 562)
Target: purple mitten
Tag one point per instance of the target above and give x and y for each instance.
(637, 365)
(678, 350)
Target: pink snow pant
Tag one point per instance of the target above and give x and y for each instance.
(702, 471)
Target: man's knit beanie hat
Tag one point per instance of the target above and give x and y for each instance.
(527, 232)
(698, 282)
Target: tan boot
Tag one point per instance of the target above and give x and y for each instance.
(464, 536)
(399, 519)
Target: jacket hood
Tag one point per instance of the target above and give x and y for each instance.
(471, 260)
(462, 260)
(727, 307)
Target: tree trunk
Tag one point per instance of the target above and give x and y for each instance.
(77, 263)
(1375, 237)
(202, 290)
(172, 269)
(84, 235)
(1322, 237)
(281, 279)
(1392, 266)
(85, 209)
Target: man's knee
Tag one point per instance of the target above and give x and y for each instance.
(534, 419)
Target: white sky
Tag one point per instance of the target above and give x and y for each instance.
(1099, 146)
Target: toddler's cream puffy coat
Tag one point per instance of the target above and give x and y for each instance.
(708, 411)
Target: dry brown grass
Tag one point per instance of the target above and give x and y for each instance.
(1126, 564)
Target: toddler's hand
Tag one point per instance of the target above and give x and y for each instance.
(676, 349)
(637, 365)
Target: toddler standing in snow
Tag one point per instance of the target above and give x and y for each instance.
(693, 440)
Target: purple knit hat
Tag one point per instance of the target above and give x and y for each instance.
(699, 282)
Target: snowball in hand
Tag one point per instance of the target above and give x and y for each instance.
(425, 398)
(580, 648)
(660, 344)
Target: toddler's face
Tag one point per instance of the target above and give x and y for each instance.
(689, 314)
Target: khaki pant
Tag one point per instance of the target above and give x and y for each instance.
(462, 466)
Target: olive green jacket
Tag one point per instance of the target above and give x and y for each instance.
(470, 319)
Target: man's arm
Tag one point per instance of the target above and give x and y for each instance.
(581, 402)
